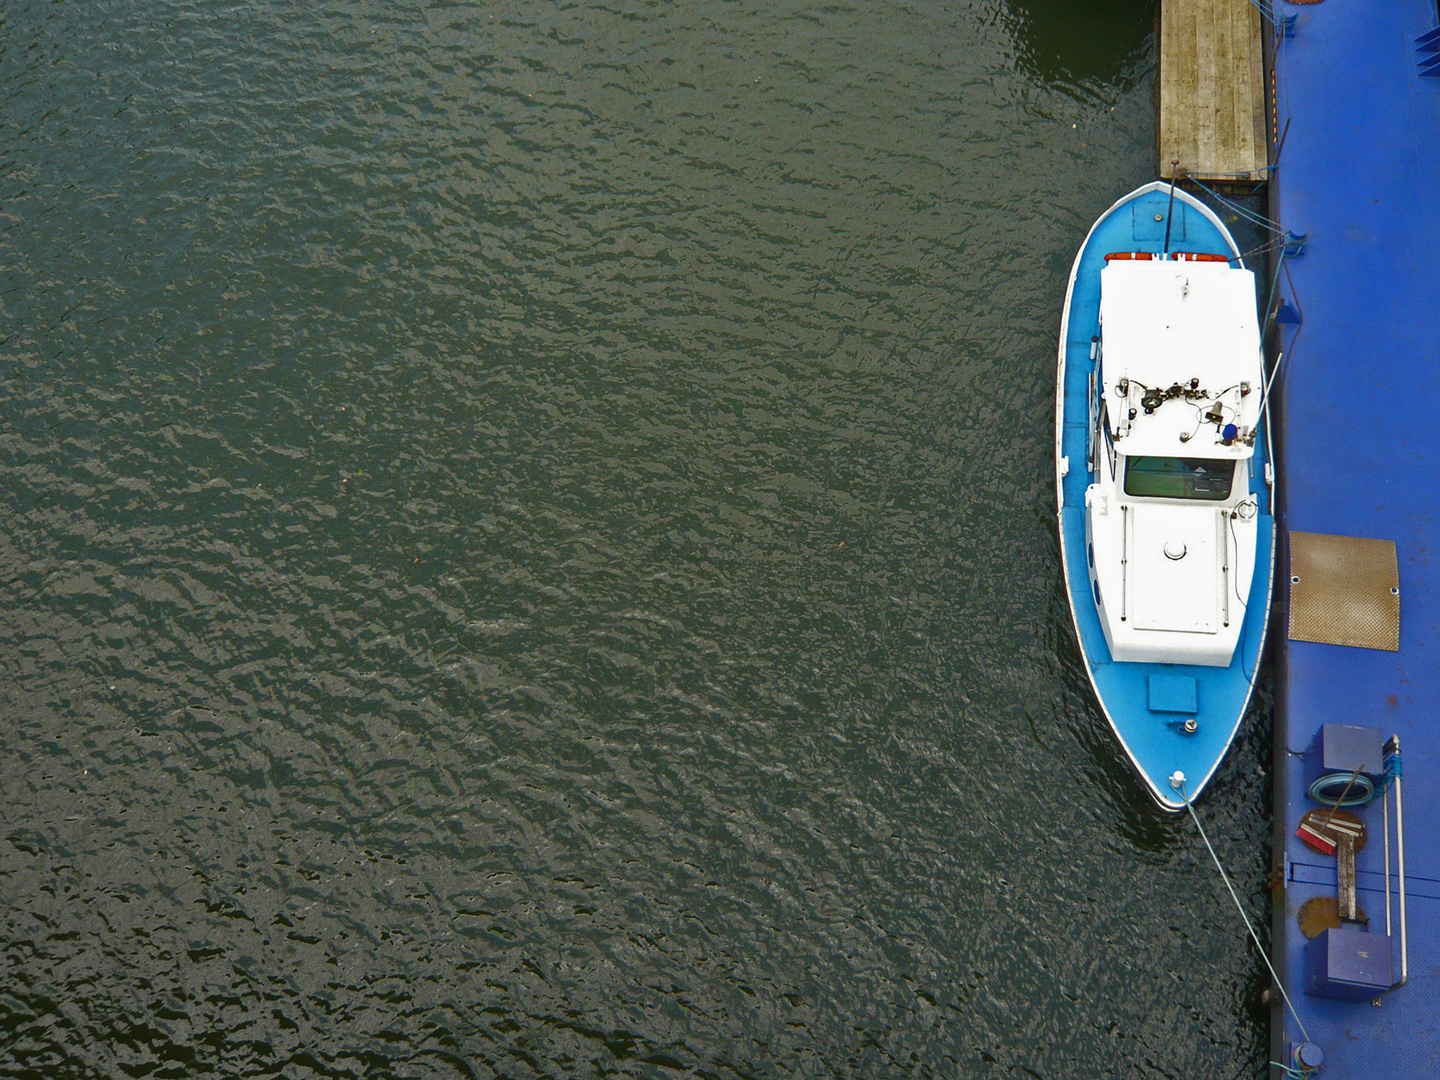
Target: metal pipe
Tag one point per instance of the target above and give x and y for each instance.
(1385, 820)
(1280, 145)
(1400, 867)
(1225, 563)
(1265, 394)
(1170, 210)
(1124, 556)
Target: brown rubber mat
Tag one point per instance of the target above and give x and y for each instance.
(1344, 590)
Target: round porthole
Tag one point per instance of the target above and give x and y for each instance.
(1294, 579)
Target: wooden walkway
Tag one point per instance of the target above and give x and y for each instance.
(1212, 90)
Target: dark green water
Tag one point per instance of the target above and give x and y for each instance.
(527, 549)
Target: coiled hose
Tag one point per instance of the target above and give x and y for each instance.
(1328, 789)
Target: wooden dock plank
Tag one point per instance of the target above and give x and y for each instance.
(1259, 128)
(1212, 90)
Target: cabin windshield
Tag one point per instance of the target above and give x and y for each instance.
(1178, 478)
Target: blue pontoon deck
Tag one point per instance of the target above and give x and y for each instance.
(1359, 455)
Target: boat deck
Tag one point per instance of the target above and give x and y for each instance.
(1212, 90)
(1150, 729)
(1359, 457)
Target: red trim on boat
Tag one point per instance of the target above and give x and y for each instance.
(1179, 256)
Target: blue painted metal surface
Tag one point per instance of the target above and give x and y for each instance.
(1358, 440)
(1174, 694)
(1155, 742)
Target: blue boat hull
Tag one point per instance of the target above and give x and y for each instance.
(1154, 741)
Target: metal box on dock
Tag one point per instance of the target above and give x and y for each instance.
(1339, 748)
(1348, 964)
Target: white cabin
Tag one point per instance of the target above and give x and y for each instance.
(1174, 404)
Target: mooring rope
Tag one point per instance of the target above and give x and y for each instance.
(1238, 208)
(1265, 10)
(1299, 327)
(1294, 1074)
(1275, 243)
(1179, 786)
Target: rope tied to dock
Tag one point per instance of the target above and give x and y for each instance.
(1294, 1074)
(1394, 764)
(1265, 10)
(1239, 209)
(1177, 781)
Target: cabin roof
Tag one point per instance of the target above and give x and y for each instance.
(1166, 323)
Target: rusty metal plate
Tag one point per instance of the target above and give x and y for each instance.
(1344, 590)
(1321, 913)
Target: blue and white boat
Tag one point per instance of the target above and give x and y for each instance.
(1165, 483)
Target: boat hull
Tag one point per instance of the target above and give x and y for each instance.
(1153, 738)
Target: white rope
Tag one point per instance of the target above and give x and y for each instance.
(1179, 785)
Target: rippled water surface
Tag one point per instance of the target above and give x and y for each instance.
(527, 549)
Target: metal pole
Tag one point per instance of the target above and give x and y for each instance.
(1385, 819)
(1225, 568)
(1124, 557)
(1400, 866)
(1265, 397)
(1169, 210)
